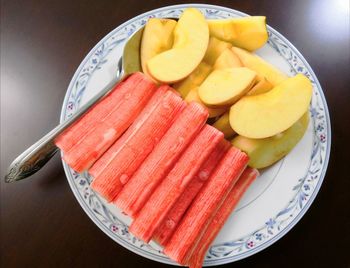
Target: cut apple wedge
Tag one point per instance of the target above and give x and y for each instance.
(215, 48)
(265, 115)
(156, 38)
(223, 124)
(226, 86)
(191, 36)
(265, 152)
(193, 80)
(249, 32)
(193, 96)
(260, 87)
(227, 59)
(260, 66)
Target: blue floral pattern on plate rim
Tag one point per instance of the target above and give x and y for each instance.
(275, 227)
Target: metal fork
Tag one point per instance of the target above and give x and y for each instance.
(37, 155)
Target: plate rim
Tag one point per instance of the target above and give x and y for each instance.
(275, 238)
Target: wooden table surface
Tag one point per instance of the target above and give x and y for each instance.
(42, 44)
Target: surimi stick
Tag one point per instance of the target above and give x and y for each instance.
(108, 156)
(135, 146)
(170, 189)
(246, 179)
(106, 132)
(205, 205)
(159, 162)
(171, 221)
(78, 130)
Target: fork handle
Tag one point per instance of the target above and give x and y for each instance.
(37, 155)
(31, 160)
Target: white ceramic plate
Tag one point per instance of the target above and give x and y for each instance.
(277, 199)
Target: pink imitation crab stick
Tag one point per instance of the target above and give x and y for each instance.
(246, 179)
(77, 131)
(135, 145)
(205, 205)
(106, 132)
(174, 184)
(98, 112)
(159, 162)
(109, 155)
(171, 221)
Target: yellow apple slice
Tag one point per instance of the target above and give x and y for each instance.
(156, 38)
(226, 86)
(214, 50)
(265, 115)
(227, 59)
(193, 96)
(249, 32)
(265, 152)
(191, 36)
(260, 87)
(261, 67)
(193, 80)
(223, 124)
